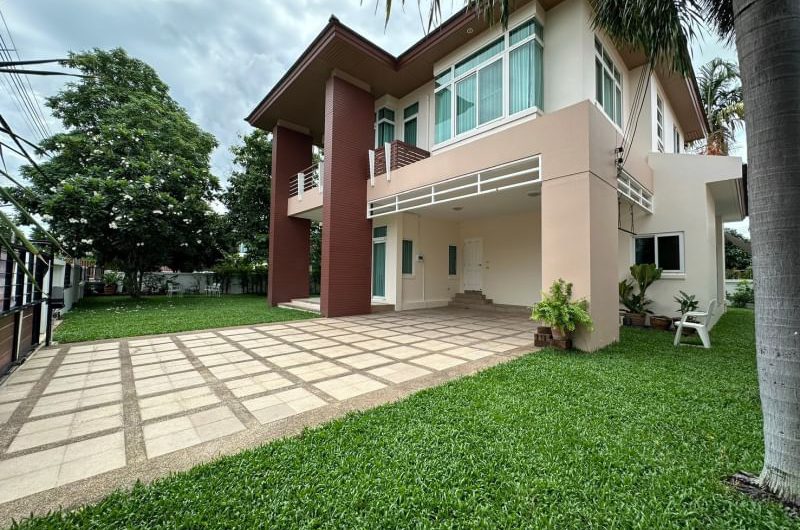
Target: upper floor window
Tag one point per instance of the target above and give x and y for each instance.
(479, 89)
(410, 124)
(660, 123)
(676, 139)
(608, 83)
(384, 130)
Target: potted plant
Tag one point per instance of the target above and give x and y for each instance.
(686, 303)
(110, 281)
(661, 322)
(561, 313)
(644, 275)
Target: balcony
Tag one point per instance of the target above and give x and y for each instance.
(305, 193)
(393, 156)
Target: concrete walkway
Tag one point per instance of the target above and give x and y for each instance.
(80, 420)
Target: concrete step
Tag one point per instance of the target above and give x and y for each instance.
(301, 306)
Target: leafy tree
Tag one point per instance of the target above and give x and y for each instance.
(129, 179)
(721, 93)
(767, 34)
(735, 256)
(247, 197)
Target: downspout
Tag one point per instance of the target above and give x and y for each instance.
(48, 334)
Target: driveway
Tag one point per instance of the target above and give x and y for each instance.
(79, 420)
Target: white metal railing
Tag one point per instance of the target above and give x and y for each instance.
(506, 176)
(629, 187)
(306, 180)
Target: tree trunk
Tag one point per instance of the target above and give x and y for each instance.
(768, 43)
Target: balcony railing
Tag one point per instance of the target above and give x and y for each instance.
(308, 179)
(394, 155)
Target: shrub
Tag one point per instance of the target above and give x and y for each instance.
(559, 311)
(743, 294)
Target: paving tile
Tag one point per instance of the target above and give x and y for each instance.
(77, 382)
(7, 409)
(86, 348)
(178, 433)
(293, 359)
(88, 397)
(210, 341)
(317, 371)
(349, 386)
(257, 384)
(283, 404)
(66, 426)
(195, 336)
(433, 334)
(437, 361)
(433, 345)
(364, 360)
(74, 358)
(25, 375)
(373, 344)
(168, 367)
(406, 339)
(215, 348)
(334, 352)
(399, 372)
(517, 341)
(250, 335)
(218, 359)
(403, 352)
(381, 333)
(495, 347)
(42, 470)
(175, 402)
(227, 371)
(468, 352)
(284, 332)
(272, 351)
(258, 343)
(351, 338)
(314, 344)
(328, 333)
(37, 362)
(135, 343)
(158, 357)
(167, 382)
(483, 335)
(234, 332)
(361, 328)
(89, 367)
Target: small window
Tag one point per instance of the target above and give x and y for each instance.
(452, 263)
(384, 126)
(665, 250)
(408, 257)
(410, 124)
(379, 231)
(67, 276)
(660, 123)
(608, 83)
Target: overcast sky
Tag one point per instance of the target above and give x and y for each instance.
(219, 58)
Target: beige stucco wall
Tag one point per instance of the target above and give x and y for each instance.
(684, 204)
(311, 200)
(512, 256)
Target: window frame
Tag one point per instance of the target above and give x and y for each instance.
(408, 117)
(402, 258)
(655, 236)
(384, 120)
(659, 123)
(454, 250)
(600, 55)
(452, 80)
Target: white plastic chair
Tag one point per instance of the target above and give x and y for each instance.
(214, 290)
(173, 289)
(701, 326)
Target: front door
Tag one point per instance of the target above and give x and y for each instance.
(379, 269)
(473, 264)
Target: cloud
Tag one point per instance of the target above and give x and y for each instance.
(219, 58)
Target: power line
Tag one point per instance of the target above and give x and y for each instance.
(27, 78)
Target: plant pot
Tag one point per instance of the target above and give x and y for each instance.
(636, 320)
(110, 289)
(559, 334)
(660, 322)
(544, 330)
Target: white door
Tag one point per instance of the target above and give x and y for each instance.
(473, 264)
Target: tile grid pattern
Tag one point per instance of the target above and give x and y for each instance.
(81, 410)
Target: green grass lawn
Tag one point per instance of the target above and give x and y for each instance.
(639, 435)
(109, 317)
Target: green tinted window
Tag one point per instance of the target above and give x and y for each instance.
(451, 260)
(379, 231)
(408, 257)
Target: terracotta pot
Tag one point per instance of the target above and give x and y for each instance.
(110, 289)
(636, 320)
(660, 322)
(544, 330)
(560, 334)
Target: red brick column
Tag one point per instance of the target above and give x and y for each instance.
(346, 232)
(288, 236)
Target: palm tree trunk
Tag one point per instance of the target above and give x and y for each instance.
(768, 43)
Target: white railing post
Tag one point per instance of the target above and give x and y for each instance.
(371, 154)
(387, 153)
(321, 173)
(301, 185)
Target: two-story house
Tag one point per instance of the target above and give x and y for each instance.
(492, 160)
